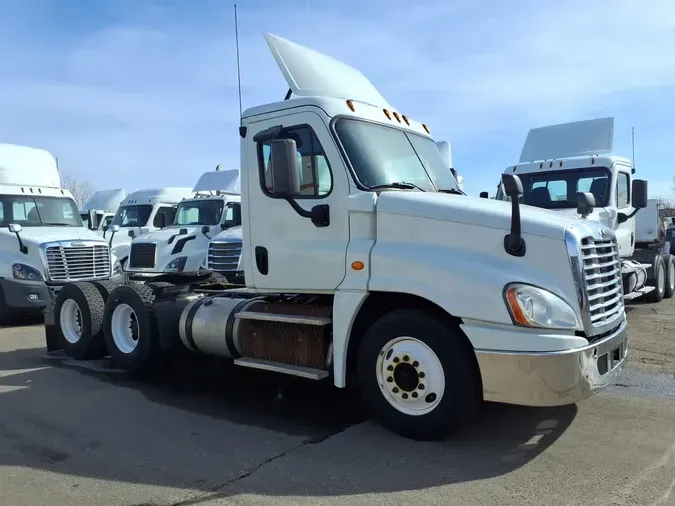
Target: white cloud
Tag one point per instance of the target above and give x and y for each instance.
(152, 96)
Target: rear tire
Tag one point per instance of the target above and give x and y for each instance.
(658, 280)
(105, 288)
(78, 316)
(417, 375)
(130, 328)
(669, 260)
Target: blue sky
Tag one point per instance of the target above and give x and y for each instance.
(142, 93)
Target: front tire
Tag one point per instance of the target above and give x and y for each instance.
(417, 375)
(669, 261)
(130, 328)
(78, 313)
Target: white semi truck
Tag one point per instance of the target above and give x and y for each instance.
(224, 255)
(43, 243)
(99, 211)
(365, 264)
(570, 168)
(141, 212)
(182, 246)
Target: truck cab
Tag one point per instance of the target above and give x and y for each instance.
(43, 242)
(141, 212)
(561, 164)
(182, 246)
(98, 212)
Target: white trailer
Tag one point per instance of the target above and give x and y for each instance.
(182, 246)
(570, 168)
(99, 210)
(43, 243)
(364, 263)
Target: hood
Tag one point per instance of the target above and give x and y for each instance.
(230, 233)
(39, 235)
(163, 235)
(605, 215)
(475, 211)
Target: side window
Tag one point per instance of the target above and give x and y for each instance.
(108, 221)
(313, 167)
(168, 211)
(232, 215)
(622, 190)
(25, 211)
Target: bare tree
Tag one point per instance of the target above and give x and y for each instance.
(81, 190)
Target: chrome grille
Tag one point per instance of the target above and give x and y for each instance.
(72, 263)
(602, 276)
(142, 255)
(224, 256)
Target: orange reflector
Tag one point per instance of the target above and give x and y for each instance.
(426, 128)
(541, 165)
(386, 113)
(560, 163)
(405, 118)
(398, 118)
(358, 265)
(350, 104)
(592, 160)
(517, 312)
(550, 164)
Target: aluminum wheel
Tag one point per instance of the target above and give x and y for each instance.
(410, 376)
(671, 275)
(71, 321)
(661, 280)
(124, 328)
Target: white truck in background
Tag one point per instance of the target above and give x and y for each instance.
(182, 246)
(43, 242)
(570, 168)
(446, 154)
(141, 212)
(364, 263)
(98, 212)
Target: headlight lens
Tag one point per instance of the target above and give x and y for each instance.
(176, 265)
(534, 307)
(25, 272)
(117, 268)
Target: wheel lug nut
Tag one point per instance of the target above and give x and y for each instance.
(390, 368)
(430, 398)
(405, 396)
(390, 379)
(395, 390)
(414, 395)
(416, 363)
(396, 360)
(421, 386)
(421, 375)
(406, 358)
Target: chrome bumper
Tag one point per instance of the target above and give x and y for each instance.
(553, 378)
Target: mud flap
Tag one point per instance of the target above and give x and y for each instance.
(52, 336)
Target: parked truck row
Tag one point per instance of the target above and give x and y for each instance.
(364, 263)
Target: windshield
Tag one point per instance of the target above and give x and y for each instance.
(670, 234)
(132, 216)
(382, 155)
(199, 212)
(558, 189)
(36, 211)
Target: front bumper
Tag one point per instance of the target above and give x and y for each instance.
(25, 296)
(553, 378)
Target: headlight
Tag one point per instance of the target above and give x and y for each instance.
(534, 307)
(176, 265)
(117, 268)
(21, 271)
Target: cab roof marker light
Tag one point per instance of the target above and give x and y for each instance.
(398, 118)
(405, 118)
(386, 113)
(350, 104)
(426, 129)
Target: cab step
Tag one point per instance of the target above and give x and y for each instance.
(318, 321)
(292, 370)
(639, 293)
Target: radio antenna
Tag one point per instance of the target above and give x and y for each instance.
(236, 38)
(632, 141)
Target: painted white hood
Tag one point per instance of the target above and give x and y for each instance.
(475, 211)
(39, 235)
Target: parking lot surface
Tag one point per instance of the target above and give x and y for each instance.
(204, 436)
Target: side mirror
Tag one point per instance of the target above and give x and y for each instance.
(131, 234)
(513, 186)
(105, 228)
(93, 221)
(206, 229)
(284, 168)
(585, 203)
(639, 194)
(484, 195)
(114, 228)
(513, 241)
(15, 228)
(161, 218)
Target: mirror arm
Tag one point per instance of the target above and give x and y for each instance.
(319, 214)
(623, 218)
(22, 247)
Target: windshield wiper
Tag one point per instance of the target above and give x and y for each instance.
(454, 191)
(402, 185)
(57, 224)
